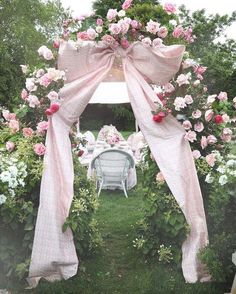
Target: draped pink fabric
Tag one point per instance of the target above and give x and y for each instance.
(54, 256)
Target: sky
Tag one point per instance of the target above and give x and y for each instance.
(212, 6)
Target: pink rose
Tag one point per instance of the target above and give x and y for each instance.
(187, 125)
(14, 125)
(157, 42)
(54, 107)
(211, 99)
(200, 69)
(45, 52)
(114, 29)
(169, 88)
(56, 43)
(178, 31)
(91, 34)
(226, 135)
(226, 118)
(188, 63)
(30, 84)
(162, 32)
(211, 139)
(39, 149)
(33, 101)
(126, 5)
(222, 96)
(27, 132)
(8, 116)
(211, 159)
(52, 96)
(209, 115)
(134, 24)
(179, 103)
(99, 22)
(188, 99)
(45, 81)
(204, 142)
(196, 154)
(146, 42)
(197, 113)
(82, 36)
(124, 43)
(160, 178)
(198, 127)
(170, 8)
(152, 27)
(42, 127)
(191, 136)
(182, 79)
(109, 40)
(111, 14)
(10, 146)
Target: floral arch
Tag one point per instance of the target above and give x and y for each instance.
(54, 256)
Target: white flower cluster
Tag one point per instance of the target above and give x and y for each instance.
(12, 175)
(226, 170)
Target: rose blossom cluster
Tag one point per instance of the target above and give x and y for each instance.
(11, 121)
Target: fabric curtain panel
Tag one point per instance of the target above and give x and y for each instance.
(54, 255)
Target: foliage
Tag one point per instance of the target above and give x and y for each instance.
(25, 25)
(217, 54)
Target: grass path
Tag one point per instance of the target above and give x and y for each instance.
(117, 268)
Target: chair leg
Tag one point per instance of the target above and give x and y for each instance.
(100, 187)
(123, 185)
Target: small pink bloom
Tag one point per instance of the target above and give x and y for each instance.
(8, 116)
(48, 112)
(39, 149)
(114, 29)
(198, 127)
(42, 126)
(82, 36)
(187, 125)
(27, 132)
(211, 139)
(196, 154)
(10, 146)
(14, 125)
(109, 40)
(188, 63)
(33, 101)
(152, 27)
(30, 84)
(146, 42)
(179, 103)
(226, 135)
(92, 34)
(188, 99)
(162, 32)
(160, 178)
(45, 52)
(191, 136)
(99, 22)
(209, 115)
(218, 119)
(111, 14)
(204, 142)
(170, 8)
(126, 5)
(196, 114)
(200, 69)
(222, 96)
(211, 99)
(211, 159)
(178, 31)
(169, 88)
(45, 81)
(157, 42)
(134, 24)
(182, 79)
(226, 118)
(52, 96)
(124, 43)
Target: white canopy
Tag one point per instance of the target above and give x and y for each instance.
(110, 93)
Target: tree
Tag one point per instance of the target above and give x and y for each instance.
(25, 26)
(102, 6)
(217, 56)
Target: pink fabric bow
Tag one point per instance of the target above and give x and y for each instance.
(54, 256)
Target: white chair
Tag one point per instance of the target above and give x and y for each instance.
(89, 137)
(112, 168)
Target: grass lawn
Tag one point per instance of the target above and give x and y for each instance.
(118, 268)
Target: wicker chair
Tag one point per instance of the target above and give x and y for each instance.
(112, 167)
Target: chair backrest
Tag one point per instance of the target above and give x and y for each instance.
(112, 165)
